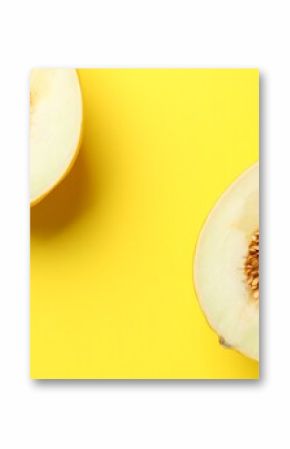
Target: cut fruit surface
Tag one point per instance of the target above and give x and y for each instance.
(55, 127)
(226, 265)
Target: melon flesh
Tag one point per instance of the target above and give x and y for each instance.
(55, 127)
(220, 257)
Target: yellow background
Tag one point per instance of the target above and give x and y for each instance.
(112, 247)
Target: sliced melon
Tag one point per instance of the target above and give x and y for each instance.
(226, 265)
(55, 127)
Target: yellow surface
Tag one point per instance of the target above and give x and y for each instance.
(112, 247)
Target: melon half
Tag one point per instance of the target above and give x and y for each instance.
(55, 127)
(226, 265)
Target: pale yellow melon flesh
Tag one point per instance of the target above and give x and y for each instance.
(55, 127)
(219, 273)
